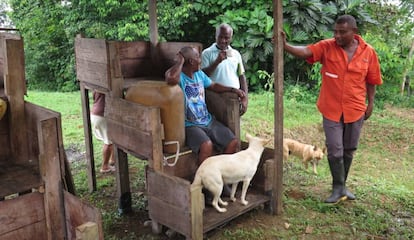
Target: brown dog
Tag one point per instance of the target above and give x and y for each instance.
(307, 152)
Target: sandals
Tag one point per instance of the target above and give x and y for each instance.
(108, 170)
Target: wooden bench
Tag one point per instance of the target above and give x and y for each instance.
(138, 130)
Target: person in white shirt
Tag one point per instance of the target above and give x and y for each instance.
(224, 64)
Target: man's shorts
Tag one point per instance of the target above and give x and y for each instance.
(218, 133)
(100, 129)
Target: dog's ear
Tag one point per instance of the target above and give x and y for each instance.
(248, 137)
(315, 148)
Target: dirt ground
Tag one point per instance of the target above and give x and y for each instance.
(133, 225)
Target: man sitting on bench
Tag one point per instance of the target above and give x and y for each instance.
(203, 131)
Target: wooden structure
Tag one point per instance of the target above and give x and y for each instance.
(112, 67)
(36, 188)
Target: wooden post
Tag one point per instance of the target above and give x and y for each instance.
(15, 88)
(152, 7)
(197, 206)
(88, 137)
(276, 200)
(50, 172)
(122, 181)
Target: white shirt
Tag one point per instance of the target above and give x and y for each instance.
(228, 71)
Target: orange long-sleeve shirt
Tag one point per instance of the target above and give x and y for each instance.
(343, 90)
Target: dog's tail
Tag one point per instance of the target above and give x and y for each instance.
(197, 180)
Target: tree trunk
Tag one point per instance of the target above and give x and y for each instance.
(406, 81)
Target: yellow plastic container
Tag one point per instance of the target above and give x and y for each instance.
(3, 108)
(170, 100)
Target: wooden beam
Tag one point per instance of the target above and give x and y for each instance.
(276, 202)
(152, 6)
(51, 174)
(123, 189)
(88, 137)
(15, 89)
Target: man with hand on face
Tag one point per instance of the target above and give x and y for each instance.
(202, 130)
(350, 72)
(224, 65)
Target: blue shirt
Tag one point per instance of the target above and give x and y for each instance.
(195, 108)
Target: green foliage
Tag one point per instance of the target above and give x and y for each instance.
(253, 31)
(4, 18)
(47, 50)
(381, 177)
(391, 67)
(49, 28)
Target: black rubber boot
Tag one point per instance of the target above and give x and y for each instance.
(348, 156)
(336, 166)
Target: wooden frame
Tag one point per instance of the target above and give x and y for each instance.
(35, 176)
(138, 130)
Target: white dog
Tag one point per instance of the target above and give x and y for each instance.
(306, 152)
(222, 169)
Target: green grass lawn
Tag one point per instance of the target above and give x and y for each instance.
(381, 177)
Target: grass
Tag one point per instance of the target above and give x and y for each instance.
(381, 177)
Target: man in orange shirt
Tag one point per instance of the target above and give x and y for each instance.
(350, 72)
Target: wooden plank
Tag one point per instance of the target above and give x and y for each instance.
(135, 59)
(172, 190)
(13, 60)
(33, 114)
(1, 70)
(276, 203)
(116, 80)
(17, 178)
(132, 68)
(169, 201)
(173, 202)
(90, 160)
(79, 212)
(134, 127)
(33, 231)
(227, 113)
(92, 63)
(20, 212)
(91, 72)
(4, 138)
(214, 219)
(167, 52)
(123, 189)
(169, 215)
(152, 9)
(91, 50)
(50, 172)
(132, 140)
(260, 179)
(269, 175)
(185, 167)
(15, 88)
(197, 200)
(134, 50)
